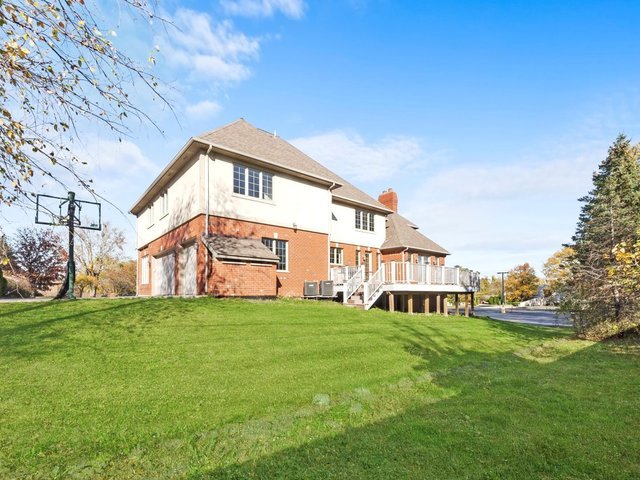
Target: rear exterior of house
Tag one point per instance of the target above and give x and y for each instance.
(241, 212)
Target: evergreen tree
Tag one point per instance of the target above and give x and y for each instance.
(610, 216)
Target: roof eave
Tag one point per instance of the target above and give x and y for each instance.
(409, 247)
(350, 201)
(264, 162)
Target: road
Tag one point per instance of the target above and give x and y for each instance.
(532, 316)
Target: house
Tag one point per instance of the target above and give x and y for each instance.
(241, 212)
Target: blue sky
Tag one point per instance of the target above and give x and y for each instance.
(487, 117)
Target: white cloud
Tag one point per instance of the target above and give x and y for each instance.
(264, 8)
(349, 155)
(209, 51)
(204, 109)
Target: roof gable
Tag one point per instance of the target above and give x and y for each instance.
(401, 233)
(242, 137)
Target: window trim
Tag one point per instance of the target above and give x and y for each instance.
(332, 255)
(274, 249)
(263, 178)
(145, 268)
(362, 218)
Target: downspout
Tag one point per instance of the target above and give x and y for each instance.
(206, 222)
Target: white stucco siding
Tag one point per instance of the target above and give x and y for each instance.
(184, 202)
(295, 201)
(343, 228)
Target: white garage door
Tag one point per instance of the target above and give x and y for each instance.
(188, 260)
(164, 274)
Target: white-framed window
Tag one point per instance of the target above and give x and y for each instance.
(150, 219)
(357, 257)
(144, 270)
(364, 221)
(280, 248)
(252, 182)
(335, 255)
(164, 204)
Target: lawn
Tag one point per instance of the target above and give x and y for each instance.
(205, 388)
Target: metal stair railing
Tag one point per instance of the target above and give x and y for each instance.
(373, 287)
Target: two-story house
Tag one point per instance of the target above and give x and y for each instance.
(241, 212)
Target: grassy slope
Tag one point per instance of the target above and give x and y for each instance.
(232, 389)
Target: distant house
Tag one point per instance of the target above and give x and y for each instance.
(241, 212)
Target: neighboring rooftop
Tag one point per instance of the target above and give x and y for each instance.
(401, 233)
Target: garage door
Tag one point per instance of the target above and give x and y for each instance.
(164, 274)
(188, 259)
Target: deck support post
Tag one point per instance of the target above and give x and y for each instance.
(390, 302)
(466, 305)
(473, 304)
(410, 303)
(457, 303)
(445, 306)
(426, 304)
(438, 304)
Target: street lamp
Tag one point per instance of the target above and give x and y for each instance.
(502, 274)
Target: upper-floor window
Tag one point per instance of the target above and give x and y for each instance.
(364, 221)
(279, 247)
(150, 215)
(335, 255)
(252, 182)
(164, 204)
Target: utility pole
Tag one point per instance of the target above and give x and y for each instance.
(503, 309)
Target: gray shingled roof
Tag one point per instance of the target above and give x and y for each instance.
(401, 233)
(234, 248)
(242, 137)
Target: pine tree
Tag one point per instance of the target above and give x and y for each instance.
(610, 216)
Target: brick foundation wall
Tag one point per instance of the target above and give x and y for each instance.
(308, 252)
(242, 279)
(308, 259)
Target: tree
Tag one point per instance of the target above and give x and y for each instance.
(58, 66)
(97, 251)
(521, 283)
(39, 256)
(609, 221)
(489, 287)
(120, 279)
(557, 269)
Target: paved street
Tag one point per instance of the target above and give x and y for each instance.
(524, 315)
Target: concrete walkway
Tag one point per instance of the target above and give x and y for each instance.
(531, 315)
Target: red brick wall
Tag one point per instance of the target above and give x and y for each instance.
(308, 251)
(242, 279)
(172, 242)
(308, 258)
(349, 254)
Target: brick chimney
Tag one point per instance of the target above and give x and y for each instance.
(389, 199)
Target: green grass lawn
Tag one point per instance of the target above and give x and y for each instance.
(205, 388)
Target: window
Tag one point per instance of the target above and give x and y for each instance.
(150, 216)
(357, 257)
(279, 247)
(335, 256)
(238, 179)
(164, 204)
(252, 182)
(365, 221)
(144, 270)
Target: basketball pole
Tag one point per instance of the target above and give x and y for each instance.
(71, 264)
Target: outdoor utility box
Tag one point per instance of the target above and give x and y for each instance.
(326, 288)
(311, 289)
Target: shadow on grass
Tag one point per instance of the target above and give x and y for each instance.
(29, 337)
(515, 419)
